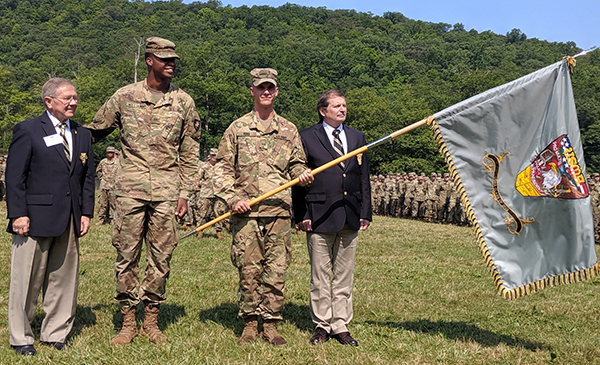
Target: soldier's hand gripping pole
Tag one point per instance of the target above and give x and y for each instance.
(313, 172)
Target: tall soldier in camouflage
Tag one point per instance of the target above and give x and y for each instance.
(258, 153)
(160, 128)
(106, 172)
(209, 205)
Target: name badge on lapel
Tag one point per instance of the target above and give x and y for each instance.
(53, 140)
(359, 158)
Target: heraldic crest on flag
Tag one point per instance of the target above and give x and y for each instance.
(515, 155)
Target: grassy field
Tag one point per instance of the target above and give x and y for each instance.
(422, 296)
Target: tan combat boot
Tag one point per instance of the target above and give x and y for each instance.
(250, 333)
(129, 330)
(219, 235)
(150, 327)
(199, 235)
(271, 335)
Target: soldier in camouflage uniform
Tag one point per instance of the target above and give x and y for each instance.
(444, 192)
(430, 205)
(2, 171)
(595, 201)
(106, 172)
(409, 195)
(401, 188)
(420, 189)
(159, 128)
(258, 153)
(209, 205)
(391, 195)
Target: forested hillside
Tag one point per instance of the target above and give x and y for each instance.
(394, 70)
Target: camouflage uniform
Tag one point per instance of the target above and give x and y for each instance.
(106, 172)
(160, 153)
(420, 190)
(251, 161)
(409, 196)
(445, 191)
(209, 206)
(2, 172)
(595, 200)
(430, 209)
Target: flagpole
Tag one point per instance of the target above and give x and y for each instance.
(313, 172)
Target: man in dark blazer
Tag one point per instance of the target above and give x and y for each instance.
(50, 200)
(332, 211)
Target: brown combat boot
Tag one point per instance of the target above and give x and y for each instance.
(250, 333)
(271, 335)
(129, 330)
(150, 327)
(219, 235)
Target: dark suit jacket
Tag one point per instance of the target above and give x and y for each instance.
(337, 196)
(41, 185)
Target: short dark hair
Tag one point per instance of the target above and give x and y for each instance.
(324, 100)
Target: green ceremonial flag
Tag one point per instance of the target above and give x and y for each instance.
(515, 154)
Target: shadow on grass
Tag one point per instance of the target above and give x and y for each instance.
(84, 317)
(225, 314)
(168, 314)
(463, 331)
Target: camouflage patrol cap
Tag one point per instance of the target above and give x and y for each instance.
(111, 149)
(595, 174)
(161, 48)
(433, 174)
(213, 151)
(446, 174)
(262, 75)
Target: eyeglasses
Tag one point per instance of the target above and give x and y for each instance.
(68, 100)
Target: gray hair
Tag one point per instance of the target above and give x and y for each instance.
(51, 86)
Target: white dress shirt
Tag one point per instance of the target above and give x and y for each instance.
(329, 130)
(68, 135)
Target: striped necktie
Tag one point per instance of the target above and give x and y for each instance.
(337, 145)
(65, 143)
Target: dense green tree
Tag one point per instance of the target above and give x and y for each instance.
(394, 70)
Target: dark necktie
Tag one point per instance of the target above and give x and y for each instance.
(65, 143)
(337, 145)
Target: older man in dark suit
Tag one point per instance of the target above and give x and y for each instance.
(332, 211)
(50, 200)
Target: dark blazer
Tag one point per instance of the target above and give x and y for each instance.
(337, 196)
(41, 185)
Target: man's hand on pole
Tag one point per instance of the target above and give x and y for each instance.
(306, 178)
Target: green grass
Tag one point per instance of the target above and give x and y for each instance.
(422, 295)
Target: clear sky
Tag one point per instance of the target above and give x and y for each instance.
(551, 20)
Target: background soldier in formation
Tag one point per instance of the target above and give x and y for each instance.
(106, 172)
(433, 199)
(2, 170)
(208, 205)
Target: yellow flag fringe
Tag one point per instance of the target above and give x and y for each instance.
(567, 278)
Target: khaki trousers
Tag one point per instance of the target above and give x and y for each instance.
(331, 277)
(50, 264)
